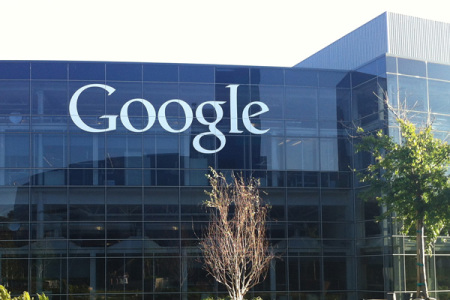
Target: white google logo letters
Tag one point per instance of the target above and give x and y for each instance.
(161, 115)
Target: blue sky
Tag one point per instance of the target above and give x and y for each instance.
(241, 32)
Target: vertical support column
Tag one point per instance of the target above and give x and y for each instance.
(92, 276)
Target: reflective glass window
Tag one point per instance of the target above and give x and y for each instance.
(196, 73)
(17, 151)
(303, 205)
(49, 151)
(124, 71)
(160, 72)
(329, 159)
(391, 64)
(87, 150)
(413, 91)
(269, 76)
(14, 206)
(15, 99)
(334, 79)
(86, 204)
(123, 204)
(268, 152)
(48, 70)
(301, 103)
(327, 104)
(302, 154)
(124, 151)
(239, 75)
(161, 204)
(49, 204)
(301, 77)
(167, 151)
(49, 98)
(87, 71)
(14, 70)
(439, 93)
(411, 67)
(272, 96)
(439, 71)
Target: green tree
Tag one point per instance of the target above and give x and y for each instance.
(410, 180)
(235, 248)
(6, 295)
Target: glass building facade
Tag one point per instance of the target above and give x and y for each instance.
(102, 175)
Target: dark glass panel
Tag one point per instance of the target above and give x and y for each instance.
(162, 230)
(304, 274)
(227, 157)
(336, 179)
(15, 177)
(439, 71)
(301, 77)
(334, 79)
(123, 230)
(303, 205)
(124, 71)
(167, 151)
(14, 273)
(124, 204)
(191, 158)
(124, 275)
(48, 70)
(87, 150)
(411, 67)
(276, 198)
(124, 151)
(49, 151)
(15, 99)
(335, 273)
(162, 274)
(239, 75)
(439, 93)
(160, 72)
(87, 71)
(87, 230)
(327, 104)
(86, 204)
(196, 73)
(301, 103)
(87, 177)
(167, 177)
(14, 70)
(49, 177)
(17, 152)
(49, 98)
(359, 78)
(14, 205)
(48, 204)
(194, 177)
(269, 76)
(192, 208)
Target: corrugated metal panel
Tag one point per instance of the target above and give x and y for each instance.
(416, 38)
(356, 48)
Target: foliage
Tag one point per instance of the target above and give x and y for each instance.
(5, 295)
(411, 177)
(235, 249)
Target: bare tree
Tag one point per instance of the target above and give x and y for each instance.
(235, 249)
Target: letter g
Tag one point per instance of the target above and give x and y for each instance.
(73, 110)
